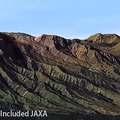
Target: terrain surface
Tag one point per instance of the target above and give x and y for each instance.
(65, 77)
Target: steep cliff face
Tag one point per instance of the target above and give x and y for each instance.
(60, 75)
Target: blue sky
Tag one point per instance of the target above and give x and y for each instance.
(67, 18)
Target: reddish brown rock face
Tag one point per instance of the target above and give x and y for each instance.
(61, 49)
(53, 72)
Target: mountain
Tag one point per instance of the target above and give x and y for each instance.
(66, 77)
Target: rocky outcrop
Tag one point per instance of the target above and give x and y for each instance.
(60, 75)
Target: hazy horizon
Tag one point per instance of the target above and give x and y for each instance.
(70, 19)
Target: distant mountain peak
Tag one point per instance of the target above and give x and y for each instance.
(104, 38)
